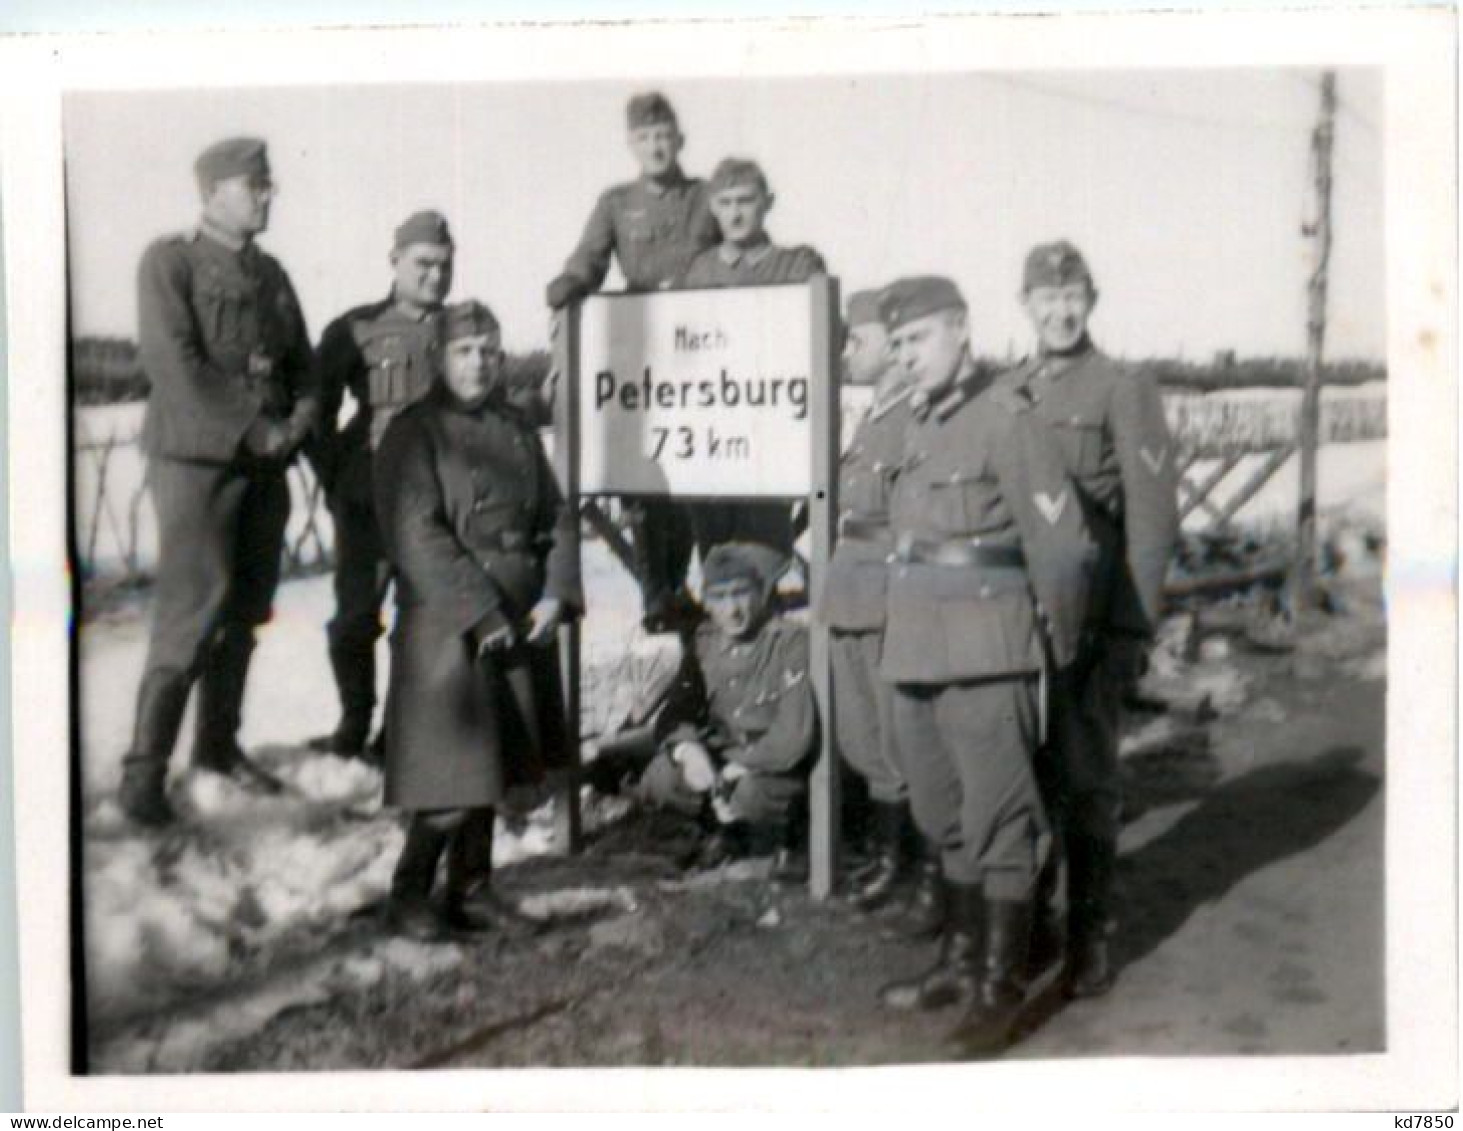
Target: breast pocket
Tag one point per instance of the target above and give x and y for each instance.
(864, 488)
(222, 312)
(964, 503)
(1083, 438)
(389, 375)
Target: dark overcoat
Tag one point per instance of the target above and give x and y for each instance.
(477, 532)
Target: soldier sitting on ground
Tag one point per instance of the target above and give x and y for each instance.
(737, 737)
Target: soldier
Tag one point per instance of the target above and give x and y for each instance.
(746, 257)
(486, 561)
(385, 354)
(224, 345)
(854, 596)
(739, 730)
(653, 226)
(990, 546)
(1109, 420)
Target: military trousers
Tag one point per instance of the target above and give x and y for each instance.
(864, 708)
(220, 538)
(764, 799)
(967, 753)
(362, 576)
(1084, 786)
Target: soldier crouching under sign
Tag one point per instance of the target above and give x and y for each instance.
(991, 548)
(739, 730)
(486, 556)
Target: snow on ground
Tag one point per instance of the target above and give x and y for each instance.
(175, 914)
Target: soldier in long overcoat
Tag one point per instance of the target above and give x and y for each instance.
(486, 561)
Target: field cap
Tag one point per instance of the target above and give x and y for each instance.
(742, 561)
(422, 227)
(1055, 265)
(863, 308)
(905, 300)
(648, 109)
(735, 171)
(470, 319)
(232, 157)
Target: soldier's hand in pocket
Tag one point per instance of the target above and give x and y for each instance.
(544, 620)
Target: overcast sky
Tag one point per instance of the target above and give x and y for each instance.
(1185, 189)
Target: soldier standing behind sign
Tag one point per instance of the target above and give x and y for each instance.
(385, 354)
(853, 603)
(486, 556)
(990, 545)
(654, 226)
(224, 345)
(1109, 420)
(746, 257)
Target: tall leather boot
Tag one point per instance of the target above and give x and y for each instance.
(225, 671)
(1090, 967)
(922, 915)
(955, 977)
(472, 904)
(353, 663)
(987, 1025)
(409, 909)
(874, 886)
(161, 701)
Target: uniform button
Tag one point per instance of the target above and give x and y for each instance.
(985, 590)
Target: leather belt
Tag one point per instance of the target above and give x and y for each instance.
(961, 553)
(865, 530)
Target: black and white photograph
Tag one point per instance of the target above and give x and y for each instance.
(894, 561)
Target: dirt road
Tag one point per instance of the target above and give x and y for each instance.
(1252, 870)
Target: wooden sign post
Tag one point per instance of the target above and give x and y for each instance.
(710, 395)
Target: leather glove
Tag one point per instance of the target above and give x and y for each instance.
(269, 439)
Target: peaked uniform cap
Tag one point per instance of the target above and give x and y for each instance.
(1055, 264)
(232, 157)
(735, 171)
(422, 227)
(906, 300)
(648, 109)
(470, 319)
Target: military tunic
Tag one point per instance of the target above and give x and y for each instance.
(749, 702)
(653, 228)
(204, 309)
(990, 585)
(771, 524)
(1109, 420)
(854, 596)
(477, 532)
(387, 359)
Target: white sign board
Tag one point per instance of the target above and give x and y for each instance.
(697, 392)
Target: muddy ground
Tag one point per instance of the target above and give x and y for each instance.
(1252, 876)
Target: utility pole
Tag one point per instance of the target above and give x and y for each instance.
(1323, 138)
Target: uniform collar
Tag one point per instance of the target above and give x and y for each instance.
(966, 384)
(238, 245)
(734, 256)
(1053, 365)
(896, 396)
(672, 180)
(393, 307)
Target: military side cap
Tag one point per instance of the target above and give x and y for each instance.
(232, 157)
(648, 109)
(863, 308)
(904, 300)
(470, 319)
(733, 172)
(1055, 265)
(742, 561)
(423, 227)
